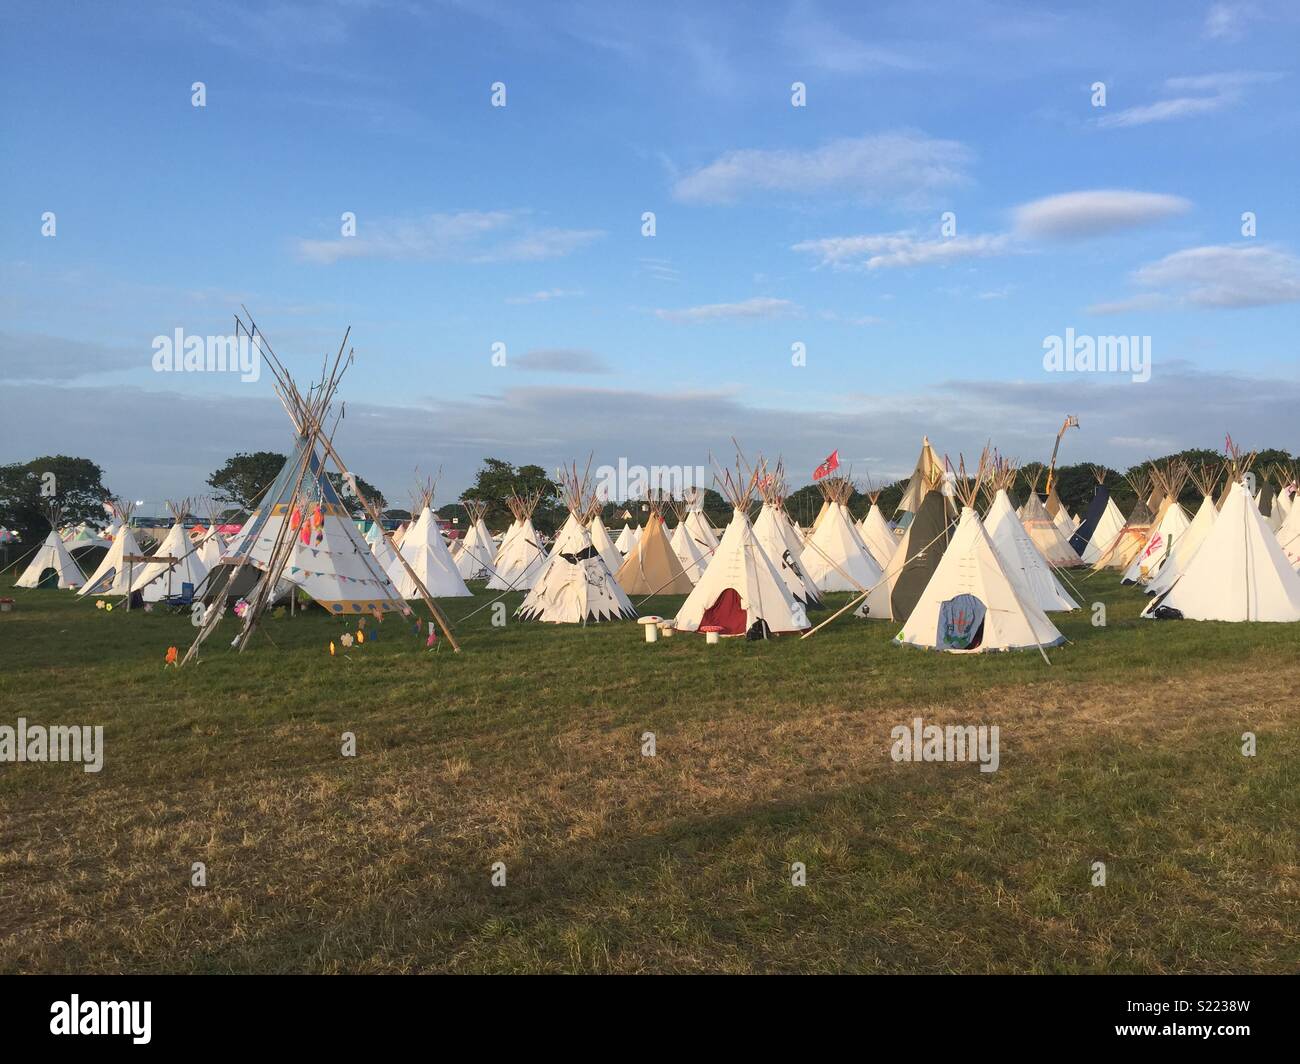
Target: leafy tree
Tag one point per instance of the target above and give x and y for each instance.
(78, 490)
(497, 481)
(245, 476)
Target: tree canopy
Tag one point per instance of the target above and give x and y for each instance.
(27, 489)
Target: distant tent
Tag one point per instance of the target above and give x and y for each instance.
(1240, 572)
(1170, 525)
(1049, 540)
(84, 537)
(1021, 560)
(1184, 549)
(1120, 551)
(1288, 536)
(919, 551)
(693, 555)
(575, 585)
(877, 534)
(211, 543)
(111, 576)
(178, 564)
(1083, 532)
(52, 565)
(626, 539)
(742, 592)
(929, 470)
(835, 557)
(970, 604)
(425, 552)
(600, 539)
(474, 559)
(777, 537)
(652, 566)
(521, 554)
(696, 523)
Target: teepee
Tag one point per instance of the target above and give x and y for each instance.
(697, 524)
(84, 537)
(777, 537)
(835, 558)
(602, 541)
(919, 552)
(52, 557)
(1021, 561)
(1051, 544)
(692, 555)
(1240, 572)
(521, 553)
(1132, 536)
(742, 591)
(111, 578)
(929, 471)
(575, 585)
(211, 543)
(178, 562)
(1185, 547)
(652, 566)
(474, 559)
(626, 540)
(876, 533)
(1101, 522)
(970, 604)
(1170, 525)
(428, 562)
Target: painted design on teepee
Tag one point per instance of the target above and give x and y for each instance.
(1169, 526)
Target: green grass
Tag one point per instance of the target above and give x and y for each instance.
(525, 749)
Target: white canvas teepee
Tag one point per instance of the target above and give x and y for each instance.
(83, 537)
(575, 585)
(876, 533)
(1240, 572)
(742, 590)
(600, 539)
(777, 537)
(425, 552)
(1288, 536)
(111, 578)
(626, 540)
(1185, 548)
(690, 553)
(835, 558)
(474, 559)
(52, 555)
(1051, 544)
(1021, 560)
(521, 555)
(1169, 527)
(970, 604)
(1107, 531)
(652, 566)
(696, 523)
(158, 580)
(211, 543)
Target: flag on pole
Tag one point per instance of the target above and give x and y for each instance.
(829, 466)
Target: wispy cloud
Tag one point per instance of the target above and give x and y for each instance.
(1094, 212)
(1226, 22)
(560, 360)
(546, 295)
(1224, 90)
(749, 309)
(1214, 277)
(825, 46)
(900, 165)
(888, 250)
(465, 236)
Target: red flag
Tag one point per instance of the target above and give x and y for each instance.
(829, 466)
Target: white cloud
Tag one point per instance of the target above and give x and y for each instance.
(1146, 301)
(546, 295)
(465, 236)
(1226, 276)
(1224, 89)
(749, 309)
(1090, 213)
(1225, 22)
(559, 360)
(901, 165)
(885, 250)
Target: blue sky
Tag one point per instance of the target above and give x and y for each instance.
(775, 225)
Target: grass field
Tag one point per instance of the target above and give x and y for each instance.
(525, 749)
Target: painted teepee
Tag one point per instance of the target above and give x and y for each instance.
(1049, 540)
(521, 554)
(652, 566)
(777, 537)
(1021, 560)
(1240, 572)
(426, 555)
(742, 592)
(835, 558)
(971, 604)
(1170, 525)
(474, 559)
(178, 562)
(1124, 546)
(112, 575)
(575, 585)
(52, 560)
